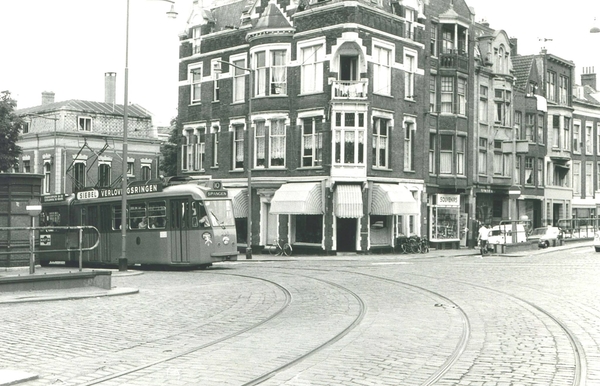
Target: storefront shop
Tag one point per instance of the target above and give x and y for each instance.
(444, 221)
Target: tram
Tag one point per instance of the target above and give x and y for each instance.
(183, 223)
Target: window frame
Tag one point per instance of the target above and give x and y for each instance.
(314, 154)
(381, 141)
(195, 82)
(312, 58)
(383, 60)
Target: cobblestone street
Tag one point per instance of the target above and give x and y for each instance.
(438, 319)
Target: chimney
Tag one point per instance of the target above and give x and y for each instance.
(47, 97)
(513, 47)
(588, 77)
(110, 87)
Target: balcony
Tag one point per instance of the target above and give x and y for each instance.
(349, 89)
(454, 60)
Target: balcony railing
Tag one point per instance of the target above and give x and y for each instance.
(454, 60)
(349, 89)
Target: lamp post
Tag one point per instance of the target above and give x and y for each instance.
(123, 259)
(249, 164)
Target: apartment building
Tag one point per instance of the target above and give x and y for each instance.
(77, 143)
(323, 103)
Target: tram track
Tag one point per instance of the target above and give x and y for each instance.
(579, 357)
(287, 302)
(466, 326)
(265, 376)
(337, 337)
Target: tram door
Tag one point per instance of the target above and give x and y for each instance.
(90, 217)
(180, 218)
(105, 226)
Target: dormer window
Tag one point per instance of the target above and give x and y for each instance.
(84, 123)
(196, 37)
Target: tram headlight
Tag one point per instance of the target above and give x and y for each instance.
(225, 240)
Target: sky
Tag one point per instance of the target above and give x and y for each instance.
(66, 46)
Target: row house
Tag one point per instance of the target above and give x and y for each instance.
(320, 109)
(585, 162)
(76, 143)
(449, 119)
(530, 122)
(494, 141)
(557, 84)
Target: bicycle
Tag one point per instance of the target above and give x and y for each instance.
(402, 244)
(280, 248)
(414, 242)
(483, 247)
(424, 245)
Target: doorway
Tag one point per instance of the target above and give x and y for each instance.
(346, 234)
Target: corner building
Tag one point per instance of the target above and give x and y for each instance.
(336, 111)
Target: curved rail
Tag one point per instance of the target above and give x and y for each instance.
(288, 300)
(580, 371)
(329, 342)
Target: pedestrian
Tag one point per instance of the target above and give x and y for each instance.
(482, 238)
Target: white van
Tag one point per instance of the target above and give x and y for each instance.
(503, 234)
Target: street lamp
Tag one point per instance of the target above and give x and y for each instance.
(123, 259)
(249, 165)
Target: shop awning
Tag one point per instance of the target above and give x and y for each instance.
(240, 202)
(298, 198)
(347, 201)
(392, 199)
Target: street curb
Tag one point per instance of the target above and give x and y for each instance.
(44, 296)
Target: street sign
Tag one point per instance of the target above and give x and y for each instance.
(514, 192)
(34, 207)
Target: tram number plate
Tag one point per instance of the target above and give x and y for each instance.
(46, 240)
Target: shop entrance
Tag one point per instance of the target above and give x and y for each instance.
(346, 234)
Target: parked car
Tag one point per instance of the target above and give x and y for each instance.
(546, 236)
(502, 234)
(597, 241)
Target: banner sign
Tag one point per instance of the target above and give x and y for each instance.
(131, 190)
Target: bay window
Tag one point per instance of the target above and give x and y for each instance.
(349, 137)
(271, 72)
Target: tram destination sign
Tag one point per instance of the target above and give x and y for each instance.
(216, 193)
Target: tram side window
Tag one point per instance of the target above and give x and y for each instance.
(137, 216)
(157, 215)
(199, 216)
(49, 218)
(116, 217)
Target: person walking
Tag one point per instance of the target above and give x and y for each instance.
(482, 238)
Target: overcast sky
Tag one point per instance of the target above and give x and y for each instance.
(66, 46)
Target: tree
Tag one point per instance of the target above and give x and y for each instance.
(10, 124)
(168, 162)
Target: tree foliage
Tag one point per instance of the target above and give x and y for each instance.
(10, 124)
(168, 159)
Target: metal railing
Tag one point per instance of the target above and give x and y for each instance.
(579, 228)
(32, 242)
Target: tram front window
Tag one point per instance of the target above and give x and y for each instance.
(220, 213)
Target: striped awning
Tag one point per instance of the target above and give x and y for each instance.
(298, 198)
(392, 199)
(347, 201)
(240, 202)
